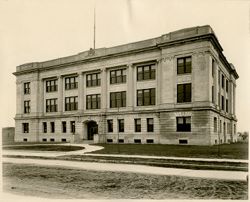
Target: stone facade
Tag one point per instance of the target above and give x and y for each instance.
(211, 121)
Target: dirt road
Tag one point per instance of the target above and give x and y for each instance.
(69, 182)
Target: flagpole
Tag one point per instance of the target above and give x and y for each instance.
(94, 28)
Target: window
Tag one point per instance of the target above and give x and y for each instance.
(222, 80)
(184, 65)
(109, 140)
(226, 105)
(93, 79)
(51, 105)
(52, 140)
(226, 85)
(118, 76)
(64, 126)
(213, 94)
(121, 140)
(71, 83)
(51, 85)
(110, 126)
(228, 128)
(71, 103)
(218, 77)
(150, 125)
(184, 93)
(121, 125)
(44, 127)
(93, 101)
(220, 127)
(145, 72)
(219, 99)
(137, 125)
(27, 106)
(138, 141)
(118, 99)
(64, 140)
(222, 102)
(213, 67)
(150, 141)
(25, 139)
(52, 127)
(146, 97)
(72, 127)
(215, 124)
(183, 141)
(26, 88)
(44, 140)
(25, 127)
(183, 124)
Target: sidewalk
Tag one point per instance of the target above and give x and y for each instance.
(212, 174)
(86, 148)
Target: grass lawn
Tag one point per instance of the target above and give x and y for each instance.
(229, 151)
(63, 183)
(61, 148)
(30, 143)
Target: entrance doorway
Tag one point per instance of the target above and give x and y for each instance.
(92, 129)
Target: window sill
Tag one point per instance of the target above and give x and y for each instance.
(146, 80)
(184, 74)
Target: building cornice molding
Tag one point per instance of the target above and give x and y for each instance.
(133, 48)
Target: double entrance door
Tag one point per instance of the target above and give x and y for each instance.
(92, 129)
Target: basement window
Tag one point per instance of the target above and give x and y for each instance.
(109, 140)
(150, 141)
(183, 141)
(138, 141)
(25, 139)
(52, 140)
(44, 140)
(64, 140)
(121, 140)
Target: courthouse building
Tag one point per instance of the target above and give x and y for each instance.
(178, 88)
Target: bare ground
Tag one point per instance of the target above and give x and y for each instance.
(54, 182)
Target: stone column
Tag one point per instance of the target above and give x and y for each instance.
(103, 89)
(60, 94)
(158, 80)
(130, 87)
(234, 99)
(41, 97)
(80, 92)
(215, 83)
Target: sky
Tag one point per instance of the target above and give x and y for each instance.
(39, 30)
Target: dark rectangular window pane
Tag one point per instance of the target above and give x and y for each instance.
(184, 65)
(184, 93)
(146, 72)
(110, 126)
(183, 124)
(137, 125)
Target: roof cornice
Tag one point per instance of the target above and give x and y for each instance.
(176, 38)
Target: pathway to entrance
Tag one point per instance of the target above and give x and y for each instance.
(87, 148)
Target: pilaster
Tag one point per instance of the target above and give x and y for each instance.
(60, 94)
(80, 93)
(130, 87)
(104, 89)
